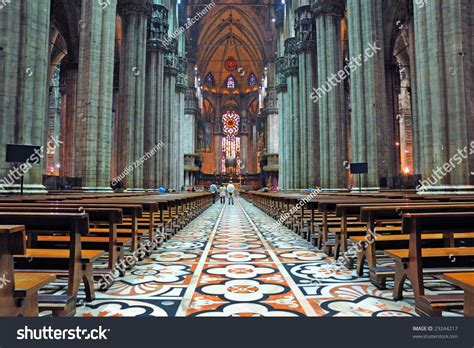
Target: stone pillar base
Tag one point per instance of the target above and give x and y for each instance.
(28, 189)
(355, 189)
(335, 190)
(447, 189)
(135, 189)
(98, 189)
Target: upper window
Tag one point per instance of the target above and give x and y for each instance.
(230, 83)
(209, 80)
(230, 121)
(252, 80)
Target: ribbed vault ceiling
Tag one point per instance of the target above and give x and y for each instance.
(234, 29)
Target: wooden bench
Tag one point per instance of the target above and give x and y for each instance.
(75, 260)
(411, 263)
(110, 216)
(18, 291)
(328, 206)
(376, 215)
(130, 212)
(352, 210)
(466, 282)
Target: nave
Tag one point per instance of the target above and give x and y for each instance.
(229, 262)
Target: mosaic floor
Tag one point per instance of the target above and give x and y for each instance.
(228, 262)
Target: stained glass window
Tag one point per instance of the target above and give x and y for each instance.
(230, 82)
(230, 121)
(252, 80)
(231, 149)
(210, 81)
(230, 141)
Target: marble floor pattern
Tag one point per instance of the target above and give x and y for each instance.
(229, 262)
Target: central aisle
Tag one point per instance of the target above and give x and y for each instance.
(240, 275)
(230, 262)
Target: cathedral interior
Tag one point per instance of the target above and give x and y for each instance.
(284, 158)
(272, 93)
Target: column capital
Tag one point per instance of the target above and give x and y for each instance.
(157, 26)
(171, 58)
(190, 101)
(304, 29)
(328, 8)
(271, 102)
(280, 72)
(182, 78)
(139, 7)
(291, 54)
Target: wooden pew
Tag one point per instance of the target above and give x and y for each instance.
(147, 207)
(78, 262)
(466, 282)
(374, 215)
(329, 206)
(128, 228)
(18, 291)
(353, 210)
(411, 263)
(159, 211)
(109, 216)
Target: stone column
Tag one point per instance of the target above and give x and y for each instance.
(157, 32)
(218, 135)
(24, 59)
(331, 104)
(271, 113)
(307, 76)
(293, 125)
(281, 88)
(134, 14)
(68, 118)
(392, 128)
(170, 119)
(444, 106)
(181, 130)
(190, 109)
(245, 143)
(95, 95)
(188, 142)
(54, 121)
(369, 133)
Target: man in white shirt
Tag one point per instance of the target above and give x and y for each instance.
(213, 190)
(230, 191)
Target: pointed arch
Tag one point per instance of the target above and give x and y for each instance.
(209, 80)
(230, 82)
(252, 80)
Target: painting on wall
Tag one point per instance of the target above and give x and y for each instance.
(202, 139)
(208, 137)
(204, 136)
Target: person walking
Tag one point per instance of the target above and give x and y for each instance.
(222, 193)
(213, 190)
(230, 191)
